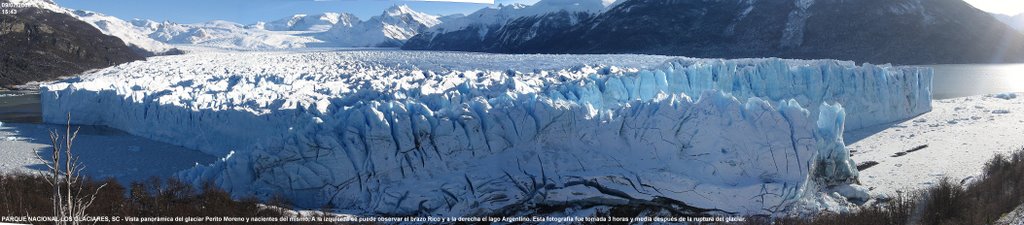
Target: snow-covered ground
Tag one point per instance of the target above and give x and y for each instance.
(399, 132)
(105, 152)
(961, 134)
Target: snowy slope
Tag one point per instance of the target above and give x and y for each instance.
(390, 29)
(158, 38)
(109, 25)
(129, 33)
(503, 13)
(227, 35)
(472, 134)
(42, 4)
(316, 22)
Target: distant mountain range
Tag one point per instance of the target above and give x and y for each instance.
(507, 27)
(877, 31)
(1017, 22)
(315, 22)
(389, 29)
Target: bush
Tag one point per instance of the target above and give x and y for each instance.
(29, 195)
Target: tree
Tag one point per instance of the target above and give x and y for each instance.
(64, 175)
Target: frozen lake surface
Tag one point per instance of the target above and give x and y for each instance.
(105, 152)
(954, 140)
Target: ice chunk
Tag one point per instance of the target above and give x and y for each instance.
(1006, 96)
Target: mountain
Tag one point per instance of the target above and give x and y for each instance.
(128, 32)
(877, 31)
(1017, 22)
(40, 44)
(226, 35)
(496, 29)
(316, 22)
(390, 29)
(109, 25)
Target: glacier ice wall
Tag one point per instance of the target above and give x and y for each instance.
(880, 94)
(496, 155)
(474, 134)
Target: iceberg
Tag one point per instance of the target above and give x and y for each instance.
(441, 133)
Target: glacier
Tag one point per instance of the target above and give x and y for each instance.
(441, 133)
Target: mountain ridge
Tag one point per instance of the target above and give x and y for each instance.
(41, 45)
(490, 29)
(876, 31)
(1016, 21)
(389, 29)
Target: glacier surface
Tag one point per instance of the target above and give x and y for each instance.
(437, 133)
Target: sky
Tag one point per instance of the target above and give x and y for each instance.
(1007, 7)
(251, 11)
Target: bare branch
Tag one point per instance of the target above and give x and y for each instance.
(64, 175)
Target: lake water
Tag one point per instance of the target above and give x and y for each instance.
(962, 80)
(20, 107)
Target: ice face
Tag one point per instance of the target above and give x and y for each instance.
(416, 133)
(880, 94)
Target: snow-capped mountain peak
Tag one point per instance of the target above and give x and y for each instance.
(399, 9)
(144, 23)
(310, 22)
(406, 15)
(389, 29)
